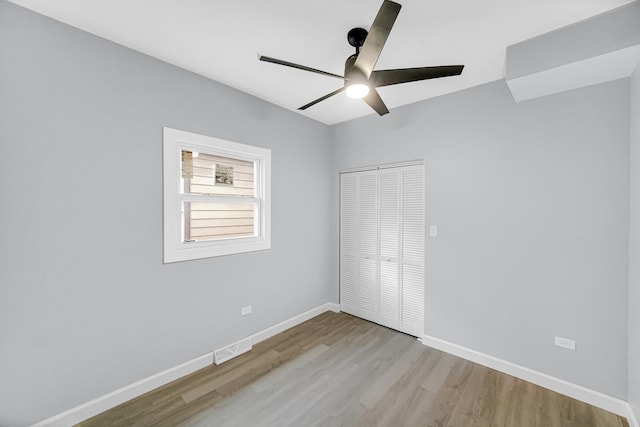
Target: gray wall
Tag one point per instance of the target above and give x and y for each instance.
(634, 250)
(86, 304)
(532, 204)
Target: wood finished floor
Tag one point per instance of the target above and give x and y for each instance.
(338, 370)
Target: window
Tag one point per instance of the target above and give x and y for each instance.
(216, 197)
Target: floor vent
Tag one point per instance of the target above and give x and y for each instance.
(229, 352)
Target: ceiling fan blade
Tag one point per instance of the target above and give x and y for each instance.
(377, 37)
(375, 102)
(298, 66)
(322, 98)
(405, 75)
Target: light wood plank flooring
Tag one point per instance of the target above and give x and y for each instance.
(338, 370)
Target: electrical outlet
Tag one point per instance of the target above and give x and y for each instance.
(245, 310)
(433, 231)
(565, 343)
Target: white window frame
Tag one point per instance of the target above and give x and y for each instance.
(174, 141)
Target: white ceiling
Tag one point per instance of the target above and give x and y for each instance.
(221, 40)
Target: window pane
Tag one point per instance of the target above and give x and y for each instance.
(205, 221)
(208, 174)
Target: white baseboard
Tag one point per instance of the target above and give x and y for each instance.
(633, 421)
(115, 398)
(333, 307)
(592, 397)
(289, 323)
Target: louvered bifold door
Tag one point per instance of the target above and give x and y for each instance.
(348, 242)
(389, 247)
(382, 246)
(412, 249)
(367, 289)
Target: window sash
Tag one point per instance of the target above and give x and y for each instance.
(217, 221)
(206, 172)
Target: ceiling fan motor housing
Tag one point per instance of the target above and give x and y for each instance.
(353, 75)
(348, 65)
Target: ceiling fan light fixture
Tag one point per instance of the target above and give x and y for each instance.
(357, 90)
(361, 79)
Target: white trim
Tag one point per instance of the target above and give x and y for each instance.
(592, 397)
(115, 398)
(384, 166)
(290, 323)
(631, 417)
(175, 249)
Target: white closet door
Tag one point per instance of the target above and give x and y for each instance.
(389, 218)
(367, 289)
(348, 242)
(382, 246)
(412, 265)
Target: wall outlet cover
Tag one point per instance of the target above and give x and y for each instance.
(565, 343)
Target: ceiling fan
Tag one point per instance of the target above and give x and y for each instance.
(360, 79)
